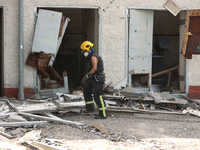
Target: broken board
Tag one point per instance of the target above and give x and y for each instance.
(165, 97)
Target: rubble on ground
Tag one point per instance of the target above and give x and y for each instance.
(21, 121)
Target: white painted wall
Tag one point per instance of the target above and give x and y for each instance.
(113, 35)
(194, 71)
(10, 43)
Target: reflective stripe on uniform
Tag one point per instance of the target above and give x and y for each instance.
(89, 102)
(103, 106)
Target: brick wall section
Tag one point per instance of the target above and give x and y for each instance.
(13, 92)
(194, 92)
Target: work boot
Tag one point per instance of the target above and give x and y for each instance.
(89, 111)
(89, 108)
(100, 117)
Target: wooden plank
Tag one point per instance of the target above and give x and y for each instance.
(18, 124)
(165, 71)
(187, 22)
(194, 13)
(55, 76)
(50, 119)
(144, 79)
(61, 25)
(99, 127)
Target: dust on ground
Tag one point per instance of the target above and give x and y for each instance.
(140, 131)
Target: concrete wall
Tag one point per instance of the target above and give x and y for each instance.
(194, 70)
(112, 40)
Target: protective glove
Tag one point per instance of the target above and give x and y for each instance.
(86, 78)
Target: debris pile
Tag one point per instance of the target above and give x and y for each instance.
(20, 119)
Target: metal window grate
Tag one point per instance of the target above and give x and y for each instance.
(158, 64)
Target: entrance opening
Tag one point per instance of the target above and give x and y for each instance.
(83, 26)
(154, 48)
(165, 50)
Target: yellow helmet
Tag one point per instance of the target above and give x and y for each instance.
(86, 45)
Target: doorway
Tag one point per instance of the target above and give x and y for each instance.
(153, 48)
(83, 25)
(165, 52)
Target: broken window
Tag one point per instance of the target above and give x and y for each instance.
(192, 34)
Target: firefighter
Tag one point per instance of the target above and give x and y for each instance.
(93, 81)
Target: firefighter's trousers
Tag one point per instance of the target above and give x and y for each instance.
(96, 88)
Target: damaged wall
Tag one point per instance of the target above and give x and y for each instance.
(113, 37)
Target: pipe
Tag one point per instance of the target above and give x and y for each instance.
(21, 52)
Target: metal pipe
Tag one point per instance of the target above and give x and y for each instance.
(21, 52)
(127, 46)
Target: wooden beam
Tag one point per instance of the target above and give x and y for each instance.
(165, 71)
(187, 22)
(18, 124)
(50, 119)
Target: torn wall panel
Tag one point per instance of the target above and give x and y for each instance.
(49, 31)
(46, 31)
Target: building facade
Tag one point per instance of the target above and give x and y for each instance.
(136, 40)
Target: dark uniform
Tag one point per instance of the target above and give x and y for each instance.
(95, 85)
